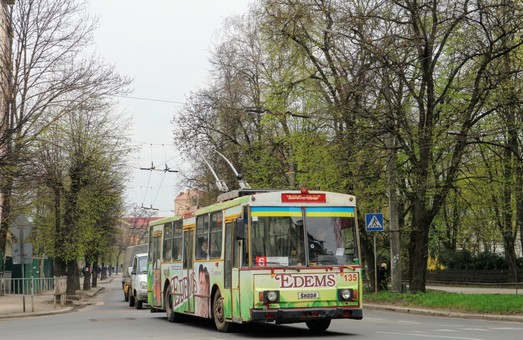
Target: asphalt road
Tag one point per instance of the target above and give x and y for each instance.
(109, 317)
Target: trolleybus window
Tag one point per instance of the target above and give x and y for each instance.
(177, 240)
(202, 237)
(216, 235)
(167, 241)
(330, 239)
(277, 241)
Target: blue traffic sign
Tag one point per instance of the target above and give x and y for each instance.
(374, 222)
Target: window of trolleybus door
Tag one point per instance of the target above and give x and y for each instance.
(233, 246)
(188, 264)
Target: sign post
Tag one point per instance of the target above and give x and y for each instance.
(374, 222)
(20, 225)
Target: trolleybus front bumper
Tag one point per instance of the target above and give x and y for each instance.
(305, 314)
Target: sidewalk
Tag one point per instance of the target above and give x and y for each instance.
(12, 306)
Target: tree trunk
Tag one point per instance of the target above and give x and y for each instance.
(73, 277)
(103, 274)
(452, 216)
(419, 248)
(519, 201)
(95, 273)
(515, 155)
(5, 219)
(59, 266)
(419, 262)
(87, 276)
(68, 230)
(510, 254)
(507, 232)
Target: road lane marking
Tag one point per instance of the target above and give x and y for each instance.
(112, 319)
(475, 329)
(507, 328)
(431, 336)
(410, 322)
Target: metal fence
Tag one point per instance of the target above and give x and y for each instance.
(473, 276)
(30, 286)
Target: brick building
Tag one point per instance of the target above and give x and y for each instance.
(187, 201)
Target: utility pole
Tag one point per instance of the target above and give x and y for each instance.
(395, 260)
(390, 142)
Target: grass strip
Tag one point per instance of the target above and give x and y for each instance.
(505, 304)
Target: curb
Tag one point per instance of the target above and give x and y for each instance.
(35, 314)
(444, 313)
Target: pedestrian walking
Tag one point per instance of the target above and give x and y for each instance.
(382, 277)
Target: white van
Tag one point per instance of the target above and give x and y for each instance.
(138, 288)
(130, 253)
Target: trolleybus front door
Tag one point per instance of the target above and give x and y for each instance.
(231, 272)
(188, 241)
(236, 252)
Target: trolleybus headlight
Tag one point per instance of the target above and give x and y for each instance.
(271, 296)
(143, 284)
(346, 294)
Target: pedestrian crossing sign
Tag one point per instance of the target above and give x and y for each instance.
(374, 222)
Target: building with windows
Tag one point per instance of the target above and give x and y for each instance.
(187, 201)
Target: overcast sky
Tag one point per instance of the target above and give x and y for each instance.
(164, 46)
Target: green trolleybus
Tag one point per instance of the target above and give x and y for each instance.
(259, 256)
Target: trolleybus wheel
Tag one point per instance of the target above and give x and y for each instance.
(138, 304)
(168, 302)
(218, 314)
(318, 325)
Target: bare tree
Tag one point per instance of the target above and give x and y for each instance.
(47, 75)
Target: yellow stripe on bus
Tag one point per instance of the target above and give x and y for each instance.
(330, 214)
(277, 213)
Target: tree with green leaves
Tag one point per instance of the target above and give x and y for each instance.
(453, 49)
(82, 160)
(231, 115)
(368, 86)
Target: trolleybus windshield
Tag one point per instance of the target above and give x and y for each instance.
(294, 236)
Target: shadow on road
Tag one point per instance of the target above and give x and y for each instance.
(255, 330)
